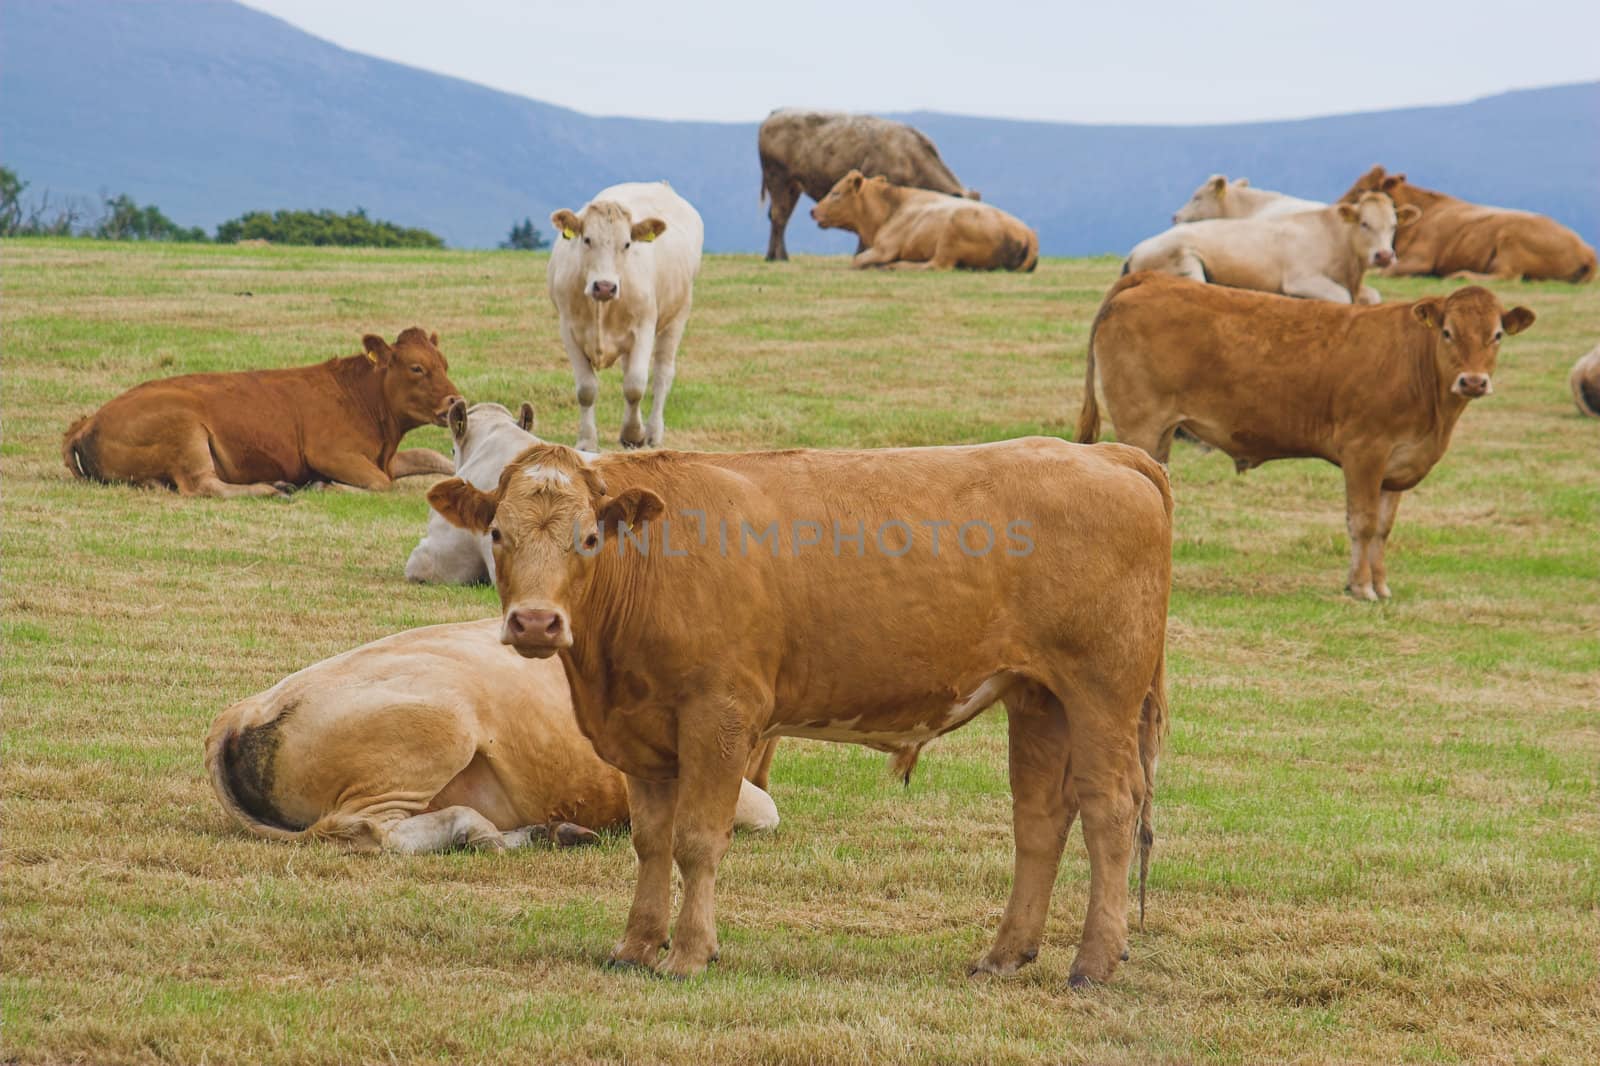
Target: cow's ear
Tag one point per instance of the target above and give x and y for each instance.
(1392, 182)
(648, 229)
(1429, 312)
(594, 483)
(1516, 320)
(377, 349)
(628, 509)
(1243, 183)
(525, 416)
(1348, 212)
(1407, 215)
(456, 419)
(567, 224)
(855, 178)
(433, 338)
(463, 505)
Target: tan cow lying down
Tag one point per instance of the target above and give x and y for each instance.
(1318, 255)
(809, 151)
(1459, 239)
(868, 597)
(1221, 198)
(263, 432)
(1585, 382)
(430, 739)
(1374, 390)
(916, 229)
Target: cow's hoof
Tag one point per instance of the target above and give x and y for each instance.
(1382, 590)
(1124, 955)
(679, 968)
(568, 835)
(631, 446)
(285, 488)
(993, 965)
(527, 835)
(1080, 982)
(1362, 592)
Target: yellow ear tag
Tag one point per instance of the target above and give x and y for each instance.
(648, 237)
(628, 526)
(371, 358)
(568, 234)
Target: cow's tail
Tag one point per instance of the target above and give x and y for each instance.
(76, 451)
(1153, 724)
(235, 754)
(1586, 272)
(1030, 256)
(1089, 416)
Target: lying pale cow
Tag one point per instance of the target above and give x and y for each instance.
(916, 229)
(431, 739)
(622, 279)
(1317, 255)
(484, 438)
(1221, 198)
(1585, 382)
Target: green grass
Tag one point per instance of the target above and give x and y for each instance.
(1379, 825)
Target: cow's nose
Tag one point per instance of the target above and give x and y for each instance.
(1472, 385)
(1383, 257)
(604, 290)
(814, 217)
(527, 625)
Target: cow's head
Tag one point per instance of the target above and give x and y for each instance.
(1371, 223)
(604, 235)
(842, 207)
(1468, 326)
(1209, 200)
(417, 389)
(548, 520)
(468, 424)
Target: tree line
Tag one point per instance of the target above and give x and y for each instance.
(120, 218)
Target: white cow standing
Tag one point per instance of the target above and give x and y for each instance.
(485, 437)
(622, 279)
(1221, 198)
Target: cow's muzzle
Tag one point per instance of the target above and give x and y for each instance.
(535, 633)
(603, 290)
(1382, 257)
(1472, 386)
(441, 417)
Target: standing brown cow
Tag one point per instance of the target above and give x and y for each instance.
(809, 151)
(262, 432)
(704, 603)
(1454, 238)
(1374, 390)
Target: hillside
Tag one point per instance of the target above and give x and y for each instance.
(210, 109)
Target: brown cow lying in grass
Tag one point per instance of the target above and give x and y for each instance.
(917, 229)
(264, 432)
(1455, 238)
(688, 647)
(431, 739)
(1374, 390)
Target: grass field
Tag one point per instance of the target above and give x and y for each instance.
(1380, 825)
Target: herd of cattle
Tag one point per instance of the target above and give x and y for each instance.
(628, 682)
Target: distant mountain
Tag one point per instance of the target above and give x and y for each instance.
(210, 109)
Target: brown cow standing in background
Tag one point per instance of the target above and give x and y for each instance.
(809, 151)
(263, 432)
(1455, 238)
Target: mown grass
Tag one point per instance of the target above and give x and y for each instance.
(1379, 827)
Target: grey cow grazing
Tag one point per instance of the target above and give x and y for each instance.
(809, 151)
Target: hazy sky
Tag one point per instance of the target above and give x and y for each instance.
(1147, 61)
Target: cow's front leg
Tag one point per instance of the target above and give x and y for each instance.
(414, 461)
(349, 469)
(710, 776)
(651, 810)
(1363, 487)
(1388, 507)
(587, 384)
(1317, 287)
(663, 368)
(635, 374)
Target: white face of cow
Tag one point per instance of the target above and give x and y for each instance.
(605, 235)
(1373, 221)
(470, 426)
(1207, 201)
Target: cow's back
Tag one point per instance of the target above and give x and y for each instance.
(819, 147)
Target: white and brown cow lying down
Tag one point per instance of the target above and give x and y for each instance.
(1221, 198)
(484, 438)
(265, 432)
(1374, 390)
(916, 229)
(1317, 255)
(704, 604)
(430, 739)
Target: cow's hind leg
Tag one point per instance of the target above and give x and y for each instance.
(785, 194)
(1042, 809)
(195, 474)
(453, 827)
(1107, 777)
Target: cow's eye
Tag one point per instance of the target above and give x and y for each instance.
(591, 542)
(1448, 335)
(587, 241)
(626, 245)
(416, 368)
(494, 535)
(1498, 334)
